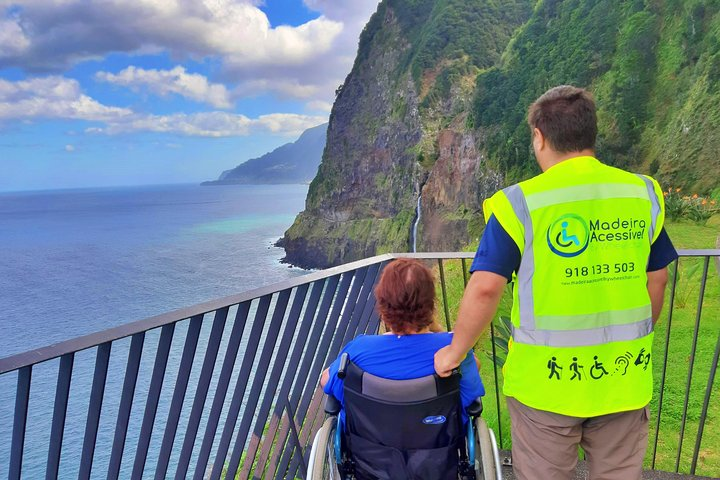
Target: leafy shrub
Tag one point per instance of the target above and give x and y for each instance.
(503, 328)
(691, 207)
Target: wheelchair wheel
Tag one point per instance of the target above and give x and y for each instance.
(322, 464)
(485, 465)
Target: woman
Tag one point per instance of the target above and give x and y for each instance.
(405, 298)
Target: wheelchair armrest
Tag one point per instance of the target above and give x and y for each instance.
(475, 408)
(332, 405)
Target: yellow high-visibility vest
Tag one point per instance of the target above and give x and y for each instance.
(582, 326)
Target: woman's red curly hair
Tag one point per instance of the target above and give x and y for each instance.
(405, 296)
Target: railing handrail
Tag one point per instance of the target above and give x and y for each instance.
(77, 344)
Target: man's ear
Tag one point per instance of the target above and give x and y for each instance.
(538, 139)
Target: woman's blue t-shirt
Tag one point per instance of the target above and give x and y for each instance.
(404, 357)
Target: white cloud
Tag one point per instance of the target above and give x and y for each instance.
(163, 82)
(56, 97)
(319, 106)
(291, 88)
(69, 148)
(213, 124)
(52, 97)
(62, 33)
(307, 61)
(13, 40)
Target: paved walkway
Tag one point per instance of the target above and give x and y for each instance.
(581, 473)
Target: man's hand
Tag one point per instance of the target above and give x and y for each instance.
(446, 360)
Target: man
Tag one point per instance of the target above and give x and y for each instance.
(585, 247)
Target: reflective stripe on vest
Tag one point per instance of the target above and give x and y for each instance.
(595, 328)
(655, 206)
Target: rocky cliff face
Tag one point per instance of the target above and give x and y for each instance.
(398, 130)
(452, 196)
(436, 103)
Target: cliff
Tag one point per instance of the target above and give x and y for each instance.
(398, 127)
(436, 101)
(295, 162)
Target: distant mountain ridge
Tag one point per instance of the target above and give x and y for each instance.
(295, 162)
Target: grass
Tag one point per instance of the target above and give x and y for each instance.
(683, 321)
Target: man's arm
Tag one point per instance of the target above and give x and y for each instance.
(657, 280)
(662, 253)
(477, 308)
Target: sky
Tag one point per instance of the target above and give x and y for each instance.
(100, 93)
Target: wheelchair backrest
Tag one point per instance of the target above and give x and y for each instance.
(421, 413)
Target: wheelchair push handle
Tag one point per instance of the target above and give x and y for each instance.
(344, 359)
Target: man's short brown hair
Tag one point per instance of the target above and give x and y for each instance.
(405, 296)
(566, 117)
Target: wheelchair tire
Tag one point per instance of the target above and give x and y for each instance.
(485, 468)
(322, 464)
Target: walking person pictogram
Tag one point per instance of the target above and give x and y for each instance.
(576, 369)
(555, 369)
(597, 368)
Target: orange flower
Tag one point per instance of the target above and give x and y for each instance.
(678, 189)
(665, 194)
(695, 195)
(712, 202)
(704, 202)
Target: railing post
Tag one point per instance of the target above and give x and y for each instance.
(97, 393)
(696, 331)
(665, 360)
(706, 403)
(153, 398)
(444, 294)
(126, 400)
(22, 398)
(59, 412)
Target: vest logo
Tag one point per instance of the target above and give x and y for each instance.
(568, 236)
(434, 420)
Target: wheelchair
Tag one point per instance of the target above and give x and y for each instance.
(402, 429)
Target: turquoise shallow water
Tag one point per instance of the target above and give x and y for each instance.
(81, 261)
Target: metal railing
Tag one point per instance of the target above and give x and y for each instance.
(228, 388)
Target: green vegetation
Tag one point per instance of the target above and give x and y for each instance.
(695, 208)
(653, 68)
(685, 236)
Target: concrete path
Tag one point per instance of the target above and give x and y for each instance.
(581, 473)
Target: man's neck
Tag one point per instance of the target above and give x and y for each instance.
(557, 157)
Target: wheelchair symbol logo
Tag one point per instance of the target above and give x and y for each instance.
(568, 236)
(434, 420)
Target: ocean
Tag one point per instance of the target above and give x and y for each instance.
(75, 262)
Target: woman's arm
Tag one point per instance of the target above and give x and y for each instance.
(324, 377)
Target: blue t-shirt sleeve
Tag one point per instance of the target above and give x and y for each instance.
(471, 386)
(497, 251)
(334, 386)
(662, 252)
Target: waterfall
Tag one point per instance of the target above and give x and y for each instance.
(418, 212)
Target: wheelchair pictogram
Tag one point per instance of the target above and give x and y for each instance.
(597, 371)
(567, 240)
